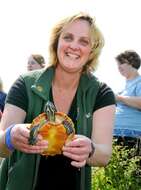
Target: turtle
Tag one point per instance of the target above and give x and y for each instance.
(55, 127)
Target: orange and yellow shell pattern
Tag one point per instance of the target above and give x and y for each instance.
(56, 132)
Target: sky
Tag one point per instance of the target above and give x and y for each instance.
(25, 29)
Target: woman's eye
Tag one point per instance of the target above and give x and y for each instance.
(84, 42)
(67, 38)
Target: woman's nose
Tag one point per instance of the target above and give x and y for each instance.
(74, 45)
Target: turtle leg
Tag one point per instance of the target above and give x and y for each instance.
(68, 127)
(33, 135)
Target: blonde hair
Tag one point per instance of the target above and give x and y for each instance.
(97, 40)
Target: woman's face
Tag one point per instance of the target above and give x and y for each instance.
(125, 69)
(74, 46)
(33, 65)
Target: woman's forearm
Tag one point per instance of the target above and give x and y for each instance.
(133, 101)
(101, 155)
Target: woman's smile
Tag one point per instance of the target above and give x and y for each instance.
(74, 46)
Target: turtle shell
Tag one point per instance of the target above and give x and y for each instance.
(56, 132)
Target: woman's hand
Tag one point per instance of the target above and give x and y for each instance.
(78, 150)
(19, 139)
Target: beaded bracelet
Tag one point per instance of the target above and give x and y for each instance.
(8, 138)
(93, 150)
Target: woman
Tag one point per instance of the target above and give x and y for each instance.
(35, 61)
(74, 50)
(128, 112)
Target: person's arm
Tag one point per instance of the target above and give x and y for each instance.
(19, 133)
(11, 115)
(80, 148)
(132, 101)
(103, 121)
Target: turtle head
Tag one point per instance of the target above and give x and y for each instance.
(50, 110)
